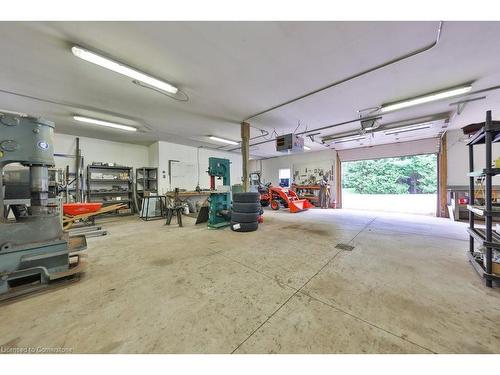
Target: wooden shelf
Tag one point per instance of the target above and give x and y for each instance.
(307, 187)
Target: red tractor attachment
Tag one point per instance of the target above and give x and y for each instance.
(287, 198)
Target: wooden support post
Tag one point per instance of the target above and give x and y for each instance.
(245, 152)
(338, 180)
(442, 178)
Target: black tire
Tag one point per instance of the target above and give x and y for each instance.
(275, 205)
(264, 203)
(246, 207)
(250, 197)
(244, 227)
(244, 217)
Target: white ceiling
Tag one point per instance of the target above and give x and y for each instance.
(231, 70)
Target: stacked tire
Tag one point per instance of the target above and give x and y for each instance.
(246, 211)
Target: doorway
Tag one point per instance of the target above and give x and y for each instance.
(284, 175)
(406, 184)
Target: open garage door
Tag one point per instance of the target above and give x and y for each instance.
(400, 177)
(393, 150)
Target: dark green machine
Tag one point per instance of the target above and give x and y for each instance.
(34, 250)
(219, 213)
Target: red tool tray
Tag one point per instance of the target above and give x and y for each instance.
(74, 209)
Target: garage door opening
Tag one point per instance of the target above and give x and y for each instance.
(405, 184)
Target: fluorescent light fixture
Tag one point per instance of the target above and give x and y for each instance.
(407, 129)
(104, 123)
(426, 98)
(122, 69)
(348, 139)
(223, 140)
(307, 148)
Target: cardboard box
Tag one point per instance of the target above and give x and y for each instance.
(495, 268)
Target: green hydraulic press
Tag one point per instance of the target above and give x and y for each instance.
(219, 213)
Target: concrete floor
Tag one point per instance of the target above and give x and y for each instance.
(406, 287)
(419, 204)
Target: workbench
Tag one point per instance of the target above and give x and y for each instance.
(188, 194)
(189, 197)
(309, 192)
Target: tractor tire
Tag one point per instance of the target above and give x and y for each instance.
(275, 205)
(244, 227)
(250, 197)
(264, 203)
(244, 217)
(246, 207)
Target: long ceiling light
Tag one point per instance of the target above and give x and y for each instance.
(223, 140)
(104, 123)
(122, 69)
(407, 129)
(426, 98)
(348, 139)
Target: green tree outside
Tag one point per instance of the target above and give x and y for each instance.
(403, 175)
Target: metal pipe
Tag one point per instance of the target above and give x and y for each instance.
(492, 88)
(357, 75)
(2, 219)
(77, 170)
(67, 183)
(313, 130)
(471, 196)
(245, 153)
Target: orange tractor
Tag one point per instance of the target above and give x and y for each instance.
(287, 198)
(276, 196)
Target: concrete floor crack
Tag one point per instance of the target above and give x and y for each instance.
(367, 322)
(284, 303)
(364, 228)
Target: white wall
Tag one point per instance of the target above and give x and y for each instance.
(458, 158)
(187, 172)
(93, 149)
(153, 151)
(270, 167)
(156, 155)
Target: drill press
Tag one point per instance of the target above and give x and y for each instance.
(34, 250)
(220, 200)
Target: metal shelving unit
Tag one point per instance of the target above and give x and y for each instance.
(483, 262)
(146, 179)
(109, 185)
